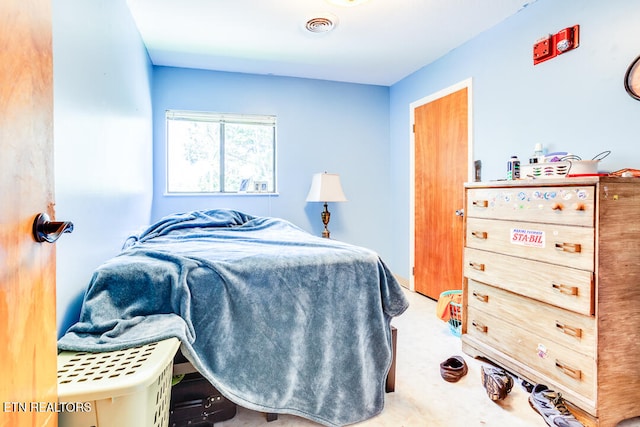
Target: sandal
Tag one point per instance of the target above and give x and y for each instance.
(453, 369)
(497, 382)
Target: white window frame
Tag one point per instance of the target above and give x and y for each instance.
(222, 119)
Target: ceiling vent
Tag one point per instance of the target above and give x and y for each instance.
(347, 3)
(321, 24)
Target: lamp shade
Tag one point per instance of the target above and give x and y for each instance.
(326, 187)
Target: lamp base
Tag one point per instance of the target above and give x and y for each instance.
(326, 216)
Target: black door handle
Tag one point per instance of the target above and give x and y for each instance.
(49, 231)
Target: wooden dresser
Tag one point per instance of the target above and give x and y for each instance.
(552, 288)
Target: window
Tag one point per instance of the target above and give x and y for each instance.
(220, 153)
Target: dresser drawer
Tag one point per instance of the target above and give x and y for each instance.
(554, 205)
(557, 244)
(564, 287)
(564, 327)
(574, 370)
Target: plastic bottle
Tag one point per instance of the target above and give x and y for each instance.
(538, 154)
(513, 168)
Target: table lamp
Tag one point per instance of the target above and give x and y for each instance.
(326, 187)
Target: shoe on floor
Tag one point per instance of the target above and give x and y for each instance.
(526, 385)
(497, 382)
(550, 405)
(453, 369)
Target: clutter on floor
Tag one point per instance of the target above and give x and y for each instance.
(498, 383)
(453, 369)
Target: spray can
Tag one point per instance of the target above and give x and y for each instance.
(513, 168)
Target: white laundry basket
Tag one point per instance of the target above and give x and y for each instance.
(569, 165)
(545, 170)
(126, 388)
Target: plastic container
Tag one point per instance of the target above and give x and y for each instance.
(538, 154)
(126, 388)
(546, 170)
(513, 168)
(570, 165)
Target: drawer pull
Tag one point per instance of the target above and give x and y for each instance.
(569, 330)
(480, 203)
(481, 297)
(557, 207)
(569, 247)
(476, 266)
(479, 326)
(479, 234)
(568, 370)
(565, 289)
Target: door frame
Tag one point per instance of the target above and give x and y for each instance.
(467, 83)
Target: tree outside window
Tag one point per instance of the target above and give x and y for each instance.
(220, 153)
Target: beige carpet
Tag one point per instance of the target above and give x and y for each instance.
(422, 398)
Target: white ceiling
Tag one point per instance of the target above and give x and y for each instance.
(378, 42)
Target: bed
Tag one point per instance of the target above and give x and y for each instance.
(278, 320)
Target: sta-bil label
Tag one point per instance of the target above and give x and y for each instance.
(523, 237)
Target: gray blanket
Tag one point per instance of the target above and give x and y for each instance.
(276, 319)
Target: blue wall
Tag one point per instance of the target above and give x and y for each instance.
(102, 137)
(103, 114)
(575, 102)
(322, 126)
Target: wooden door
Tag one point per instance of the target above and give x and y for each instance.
(441, 158)
(27, 269)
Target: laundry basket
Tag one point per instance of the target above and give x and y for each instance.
(455, 311)
(545, 170)
(126, 388)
